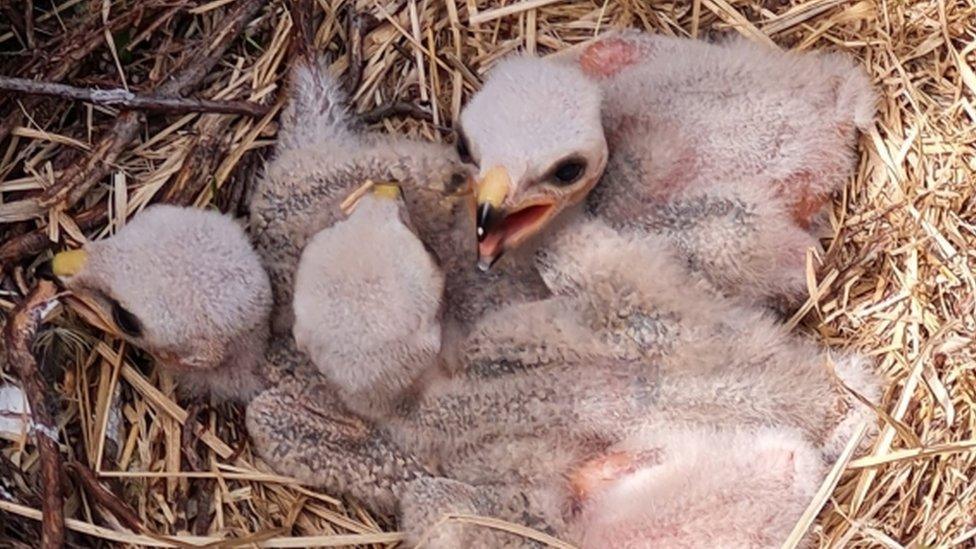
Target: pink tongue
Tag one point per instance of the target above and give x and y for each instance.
(488, 247)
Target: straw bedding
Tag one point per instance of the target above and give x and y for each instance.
(896, 281)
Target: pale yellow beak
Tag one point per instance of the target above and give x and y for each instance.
(386, 190)
(492, 190)
(68, 263)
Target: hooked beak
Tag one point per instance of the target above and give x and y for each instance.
(502, 228)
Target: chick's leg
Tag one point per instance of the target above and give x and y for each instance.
(301, 429)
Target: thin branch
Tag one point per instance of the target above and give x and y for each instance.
(302, 44)
(76, 45)
(18, 336)
(29, 23)
(358, 25)
(105, 498)
(401, 108)
(127, 100)
(76, 182)
(16, 248)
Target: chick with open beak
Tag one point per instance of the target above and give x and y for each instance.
(730, 151)
(522, 184)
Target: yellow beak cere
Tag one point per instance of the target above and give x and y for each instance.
(68, 263)
(494, 187)
(386, 190)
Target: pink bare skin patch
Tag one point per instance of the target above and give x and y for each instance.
(608, 57)
(805, 203)
(807, 207)
(596, 474)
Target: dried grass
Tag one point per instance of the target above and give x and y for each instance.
(896, 282)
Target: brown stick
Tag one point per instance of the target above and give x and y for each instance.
(105, 498)
(77, 45)
(356, 29)
(32, 243)
(302, 34)
(74, 185)
(29, 23)
(401, 108)
(128, 100)
(18, 337)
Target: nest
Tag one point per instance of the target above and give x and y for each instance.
(896, 281)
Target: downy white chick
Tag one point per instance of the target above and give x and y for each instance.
(670, 136)
(345, 272)
(185, 285)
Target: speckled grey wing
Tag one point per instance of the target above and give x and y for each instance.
(719, 361)
(302, 429)
(753, 139)
(738, 238)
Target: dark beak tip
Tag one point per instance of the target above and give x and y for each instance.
(487, 218)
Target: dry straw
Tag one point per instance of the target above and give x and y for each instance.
(896, 281)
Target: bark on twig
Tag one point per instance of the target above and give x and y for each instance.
(357, 27)
(128, 100)
(105, 498)
(18, 337)
(303, 36)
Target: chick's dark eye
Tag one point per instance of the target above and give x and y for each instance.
(464, 153)
(568, 172)
(126, 321)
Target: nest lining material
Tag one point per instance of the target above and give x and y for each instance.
(895, 283)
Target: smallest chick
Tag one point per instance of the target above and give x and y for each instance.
(366, 302)
(185, 285)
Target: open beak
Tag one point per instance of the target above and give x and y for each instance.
(503, 228)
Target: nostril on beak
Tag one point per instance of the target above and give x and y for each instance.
(45, 271)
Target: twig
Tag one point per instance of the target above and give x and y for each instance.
(128, 100)
(32, 243)
(510, 9)
(397, 108)
(29, 23)
(18, 337)
(303, 36)
(357, 26)
(75, 185)
(77, 45)
(189, 438)
(105, 498)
